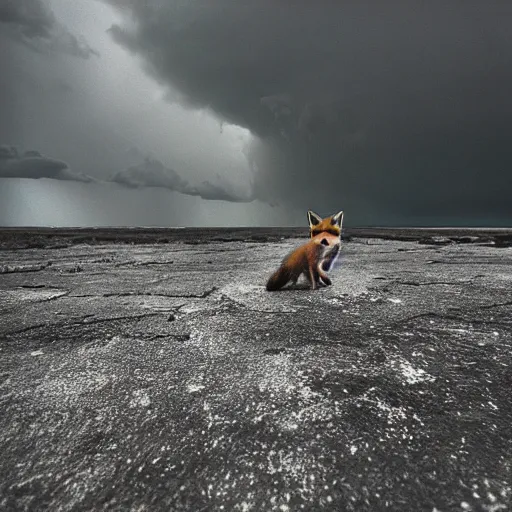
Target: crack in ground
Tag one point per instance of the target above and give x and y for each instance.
(143, 263)
(203, 295)
(25, 329)
(113, 319)
(473, 262)
(177, 337)
(125, 263)
(60, 294)
(392, 281)
(496, 305)
(81, 322)
(426, 283)
(246, 308)
(433, 283)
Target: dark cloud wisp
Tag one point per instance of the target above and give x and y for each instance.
(152, 173)
(32, 23)
(395, 111)
(33, 165)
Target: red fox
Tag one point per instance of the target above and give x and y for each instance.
(308, 259)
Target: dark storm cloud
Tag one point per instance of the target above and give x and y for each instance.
(33, 23)
(152, 173)
(392, 111)
(33, 165)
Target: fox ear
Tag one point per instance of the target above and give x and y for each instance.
(337, 220)
(313, 219)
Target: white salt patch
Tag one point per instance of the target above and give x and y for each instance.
(461, 331)
(36, 353)
(414, 375)
(395, 301)
(194, 387)
(194, 308)
(74, 387)
(140, 399)
(393, 413)
(277, 375)
(353, 449)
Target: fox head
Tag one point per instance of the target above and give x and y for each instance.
(325, 239)
(330, 225)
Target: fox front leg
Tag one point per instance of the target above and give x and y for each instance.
(324, 278)
(312, 278)
(318, 279)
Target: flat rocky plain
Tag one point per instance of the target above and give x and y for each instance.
(148, 370)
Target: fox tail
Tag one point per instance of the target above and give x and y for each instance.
(278, 279)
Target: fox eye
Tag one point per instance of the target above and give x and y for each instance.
(324, 241)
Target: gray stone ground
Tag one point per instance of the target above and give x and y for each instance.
(164, 377)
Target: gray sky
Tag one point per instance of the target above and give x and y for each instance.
(174, 112)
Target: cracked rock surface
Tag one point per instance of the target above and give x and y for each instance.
(162, 376)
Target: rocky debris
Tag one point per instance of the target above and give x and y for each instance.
(435, 240)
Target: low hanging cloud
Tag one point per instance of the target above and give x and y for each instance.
(32, 23)
(33, 165)
(152, 173)
(211, 191)
(392, 112)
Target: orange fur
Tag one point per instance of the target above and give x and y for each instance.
(306, 259)
(314, 258)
